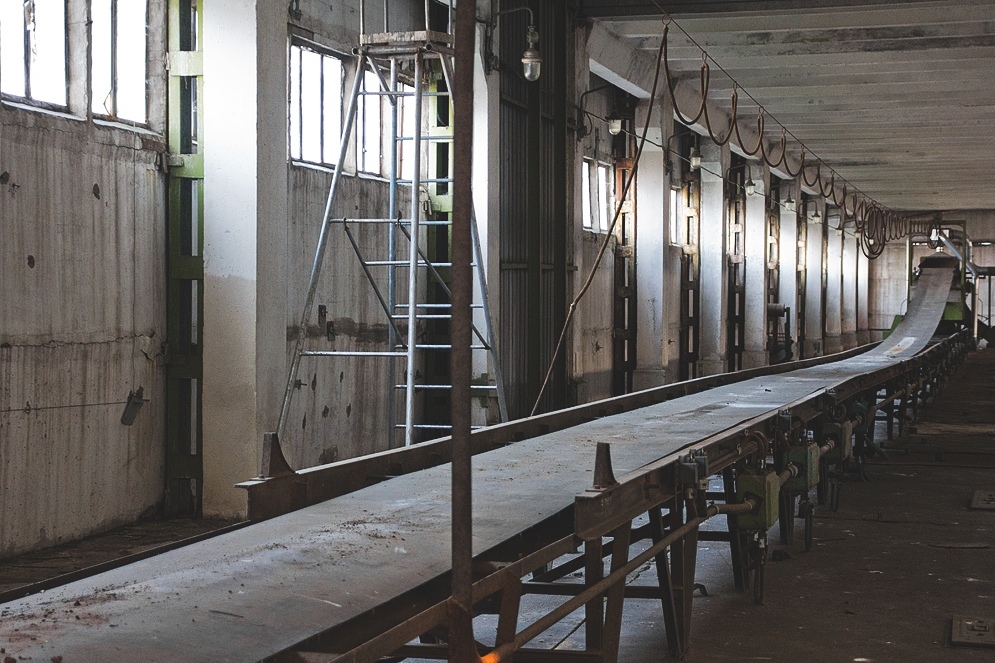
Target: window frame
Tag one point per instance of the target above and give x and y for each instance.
(597, 213)
(360, 125)
(27, 99)
(113, 116)
(299, 42)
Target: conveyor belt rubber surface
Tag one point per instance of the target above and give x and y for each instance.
(260, 590)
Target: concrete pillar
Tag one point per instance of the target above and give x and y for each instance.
(714, 162)
(652, 223)
(848, 326)
(245, 194)
(863, 334)
(834, 288)
(887, 284)
(788, 258)
(813, 280)
(755, 235)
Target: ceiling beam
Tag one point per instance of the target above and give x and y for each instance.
(607, 9)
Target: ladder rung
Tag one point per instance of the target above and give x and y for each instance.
(404, 263)
(425, 316)
(433, 138)
(445, 346)
(347, 220)
(435, 426)
(436, 306)
(388, 93)
(429, 223)
(430, 180)
(473, 387)
(352, 353)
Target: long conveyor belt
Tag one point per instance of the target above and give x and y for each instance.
(261, 590)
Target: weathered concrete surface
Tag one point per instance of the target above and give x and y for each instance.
(82, 321)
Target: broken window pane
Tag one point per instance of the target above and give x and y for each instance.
(48, 50)
(118, 48)
(12, 48)
(131, 56)
(33, 50)
(101, 37)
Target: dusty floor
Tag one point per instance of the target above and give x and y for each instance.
(133, 539)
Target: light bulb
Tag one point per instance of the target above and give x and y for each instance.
(614, 126)
(695, 159)
(789, 203)
(531, 60)
(816, 216)
(750, 186)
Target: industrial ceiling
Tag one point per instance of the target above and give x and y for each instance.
(897, 97)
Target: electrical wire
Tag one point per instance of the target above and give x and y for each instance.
(608, 237)
(29, 408)
(875, 224)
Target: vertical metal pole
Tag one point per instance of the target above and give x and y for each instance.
(319, 255)
(409, 399)
(462, 648)
(392, 251)
(488, 327)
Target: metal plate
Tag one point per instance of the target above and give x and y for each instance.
(972, 632)
(984, 500)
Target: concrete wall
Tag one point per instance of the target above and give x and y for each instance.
(82, 322)
(82, 310)
(887, 289)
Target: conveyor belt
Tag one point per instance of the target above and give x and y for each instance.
(258, 591)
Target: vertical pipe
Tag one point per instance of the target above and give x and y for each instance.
(462, 649)
(396, 108)
(409, 402)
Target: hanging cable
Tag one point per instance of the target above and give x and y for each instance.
(608, 236)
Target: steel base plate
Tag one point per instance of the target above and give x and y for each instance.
(972, 632)
(984, 500)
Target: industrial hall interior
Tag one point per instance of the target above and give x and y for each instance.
(493, 331)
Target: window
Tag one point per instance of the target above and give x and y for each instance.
(597, 191)
(33, 50)
(676, 226)
(118, 50)
(369, 149)
(585, 185)
(315, 105)
(407, 129)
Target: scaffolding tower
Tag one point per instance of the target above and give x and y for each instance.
(387, 54)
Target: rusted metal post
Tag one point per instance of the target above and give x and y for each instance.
(615, 598)
(674, 641)
(594, 611)
(462, 648)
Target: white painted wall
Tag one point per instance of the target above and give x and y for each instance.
(653, 219)
(849, 294)
(834, 290)
(714, 163)
(813, 282)
(755, 327)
